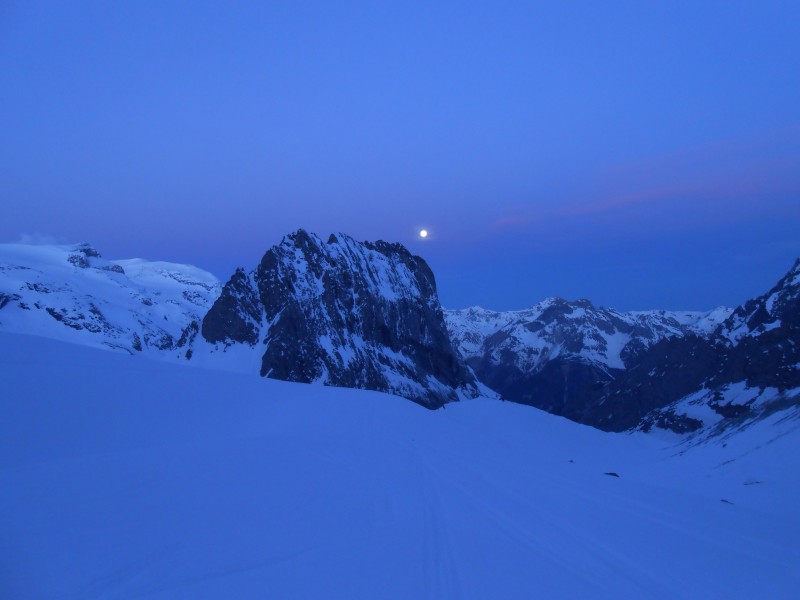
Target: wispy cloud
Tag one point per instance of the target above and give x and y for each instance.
(775, 144)
(618, 201)
(519, 219)
(584, 208)
(719, 174)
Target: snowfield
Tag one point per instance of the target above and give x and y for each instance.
(70, 293)
(130, 478)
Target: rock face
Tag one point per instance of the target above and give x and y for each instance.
(344, 313)
(616, 371)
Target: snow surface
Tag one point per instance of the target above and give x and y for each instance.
(144, 309)
(699, 404)
(127, 478)
(701, 322)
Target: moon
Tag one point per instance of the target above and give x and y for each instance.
(423, 233)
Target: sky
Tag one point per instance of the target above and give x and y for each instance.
(639, 154)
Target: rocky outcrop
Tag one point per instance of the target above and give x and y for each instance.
(236, 316)
(343, 313)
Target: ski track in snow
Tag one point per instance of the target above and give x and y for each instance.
(127, 478)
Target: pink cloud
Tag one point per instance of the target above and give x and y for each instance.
(715, 174)
(585, 208)
(618, 201)
(518, 219)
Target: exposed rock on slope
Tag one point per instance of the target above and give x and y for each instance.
(345, 313)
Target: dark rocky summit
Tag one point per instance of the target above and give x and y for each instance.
(350, 314)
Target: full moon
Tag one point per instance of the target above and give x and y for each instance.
(423, 233)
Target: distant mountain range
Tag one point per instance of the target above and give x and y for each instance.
(367, 315)
(558, 355)
(616, 371)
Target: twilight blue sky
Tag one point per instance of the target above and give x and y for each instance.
(641, 154)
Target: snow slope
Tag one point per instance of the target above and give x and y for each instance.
(123, 478)
(72, 294)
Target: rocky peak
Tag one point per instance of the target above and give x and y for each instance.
(344, 313)
(87, 250)
(779, 308)
(85, 256)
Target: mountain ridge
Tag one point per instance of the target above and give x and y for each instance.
(366, 314)
(645, 369)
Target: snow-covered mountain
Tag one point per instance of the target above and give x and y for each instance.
(752, 367)
(557, 355)
(344, 313)
(341, 313)
(366, 315)
(71, 293)
(558, 328)
(681, 371)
